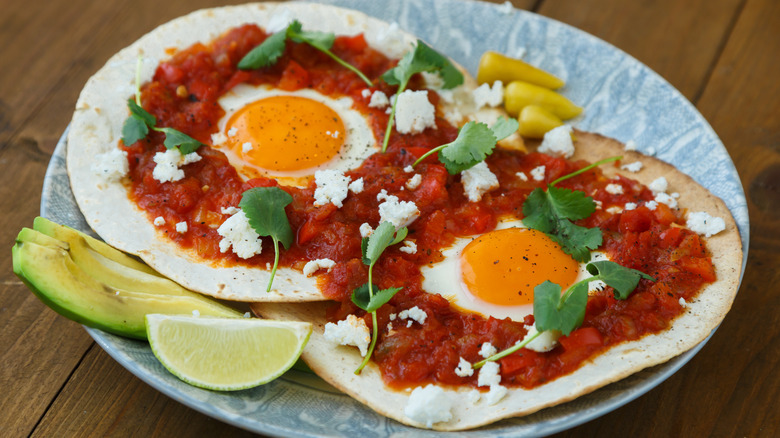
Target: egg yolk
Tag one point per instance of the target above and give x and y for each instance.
(503, 266)
(286, 133)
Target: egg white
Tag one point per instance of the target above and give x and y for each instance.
(445, 278)
(359, 142)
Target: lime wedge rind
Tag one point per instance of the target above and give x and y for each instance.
(225, 354)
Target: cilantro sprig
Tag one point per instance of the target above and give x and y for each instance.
(365, 296)
(421, 59)
(565, 313)
(474, 143)
(137, 126)
(554, 210)
(270, 50)
(264, 207)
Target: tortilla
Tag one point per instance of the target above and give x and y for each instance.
(336, 364)
(102, 109)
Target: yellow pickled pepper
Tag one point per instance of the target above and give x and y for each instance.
(494, 66)
(536, 121)
(518, 95)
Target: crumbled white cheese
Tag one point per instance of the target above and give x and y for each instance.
(409, 169)
(464, 368)
(236, 232)
(651, 205)
(218, 138)
(332, 186)
(473, 396)
(392, 316)
(487, 349)
(398, 213)
(545, 342)
(489, 374)
(365, 229)
(413, 112)
(365, 93)
(409, 247)
(630, 145)
(485, 95)
(350, 331)
(232, 131)
(614, 210)
(313, 266)
(598, 203)
(246, 147)
(413, 314)
(159, 221)
(666, 199)
(537, 173)
(112, 165)
(413, 182)
(168, 163)
(614, 189)
(181, 227)
(506, 8)
(522, 176)
(682, 302)
(630, 206)
(196, 313)
(356, 186)
(658, 185)
(650, 151)
(247, 315)
(675, 195)
(379, 100)
(478, 180)
(702, 223)
(230, 210)
(636, 166)
(496, 393)
(557, 141)
(429, 405)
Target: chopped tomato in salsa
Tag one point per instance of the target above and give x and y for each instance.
(184, 95)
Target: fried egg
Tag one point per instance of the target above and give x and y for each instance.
(289, 135)
(494, 274)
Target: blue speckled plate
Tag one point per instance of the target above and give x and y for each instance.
(623, 99)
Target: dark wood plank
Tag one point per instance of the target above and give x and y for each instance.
(679, 40)
(102, 399)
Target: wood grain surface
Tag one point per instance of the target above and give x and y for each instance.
(721, 54)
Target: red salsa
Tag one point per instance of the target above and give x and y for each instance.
(184, 94)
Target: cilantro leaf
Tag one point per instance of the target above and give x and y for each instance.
(369, 303)
(133, 130)
(474, 143)
(137, 125)
(385, 235)
(138, 111)
(623, 280)
(553, 311)
(319, 40)
(421, 59)
(267, 53)
(270, 50)
(372, 248)
(180, 140)
(552, 213)
(577, 241)
(264, 207)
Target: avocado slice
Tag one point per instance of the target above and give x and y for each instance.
(74, 277)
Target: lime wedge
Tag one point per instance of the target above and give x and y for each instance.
(225, 354)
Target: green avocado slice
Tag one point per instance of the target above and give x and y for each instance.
(101, 288)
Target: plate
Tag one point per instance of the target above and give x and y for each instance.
(623, 99)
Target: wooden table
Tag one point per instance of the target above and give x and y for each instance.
(721, 54)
